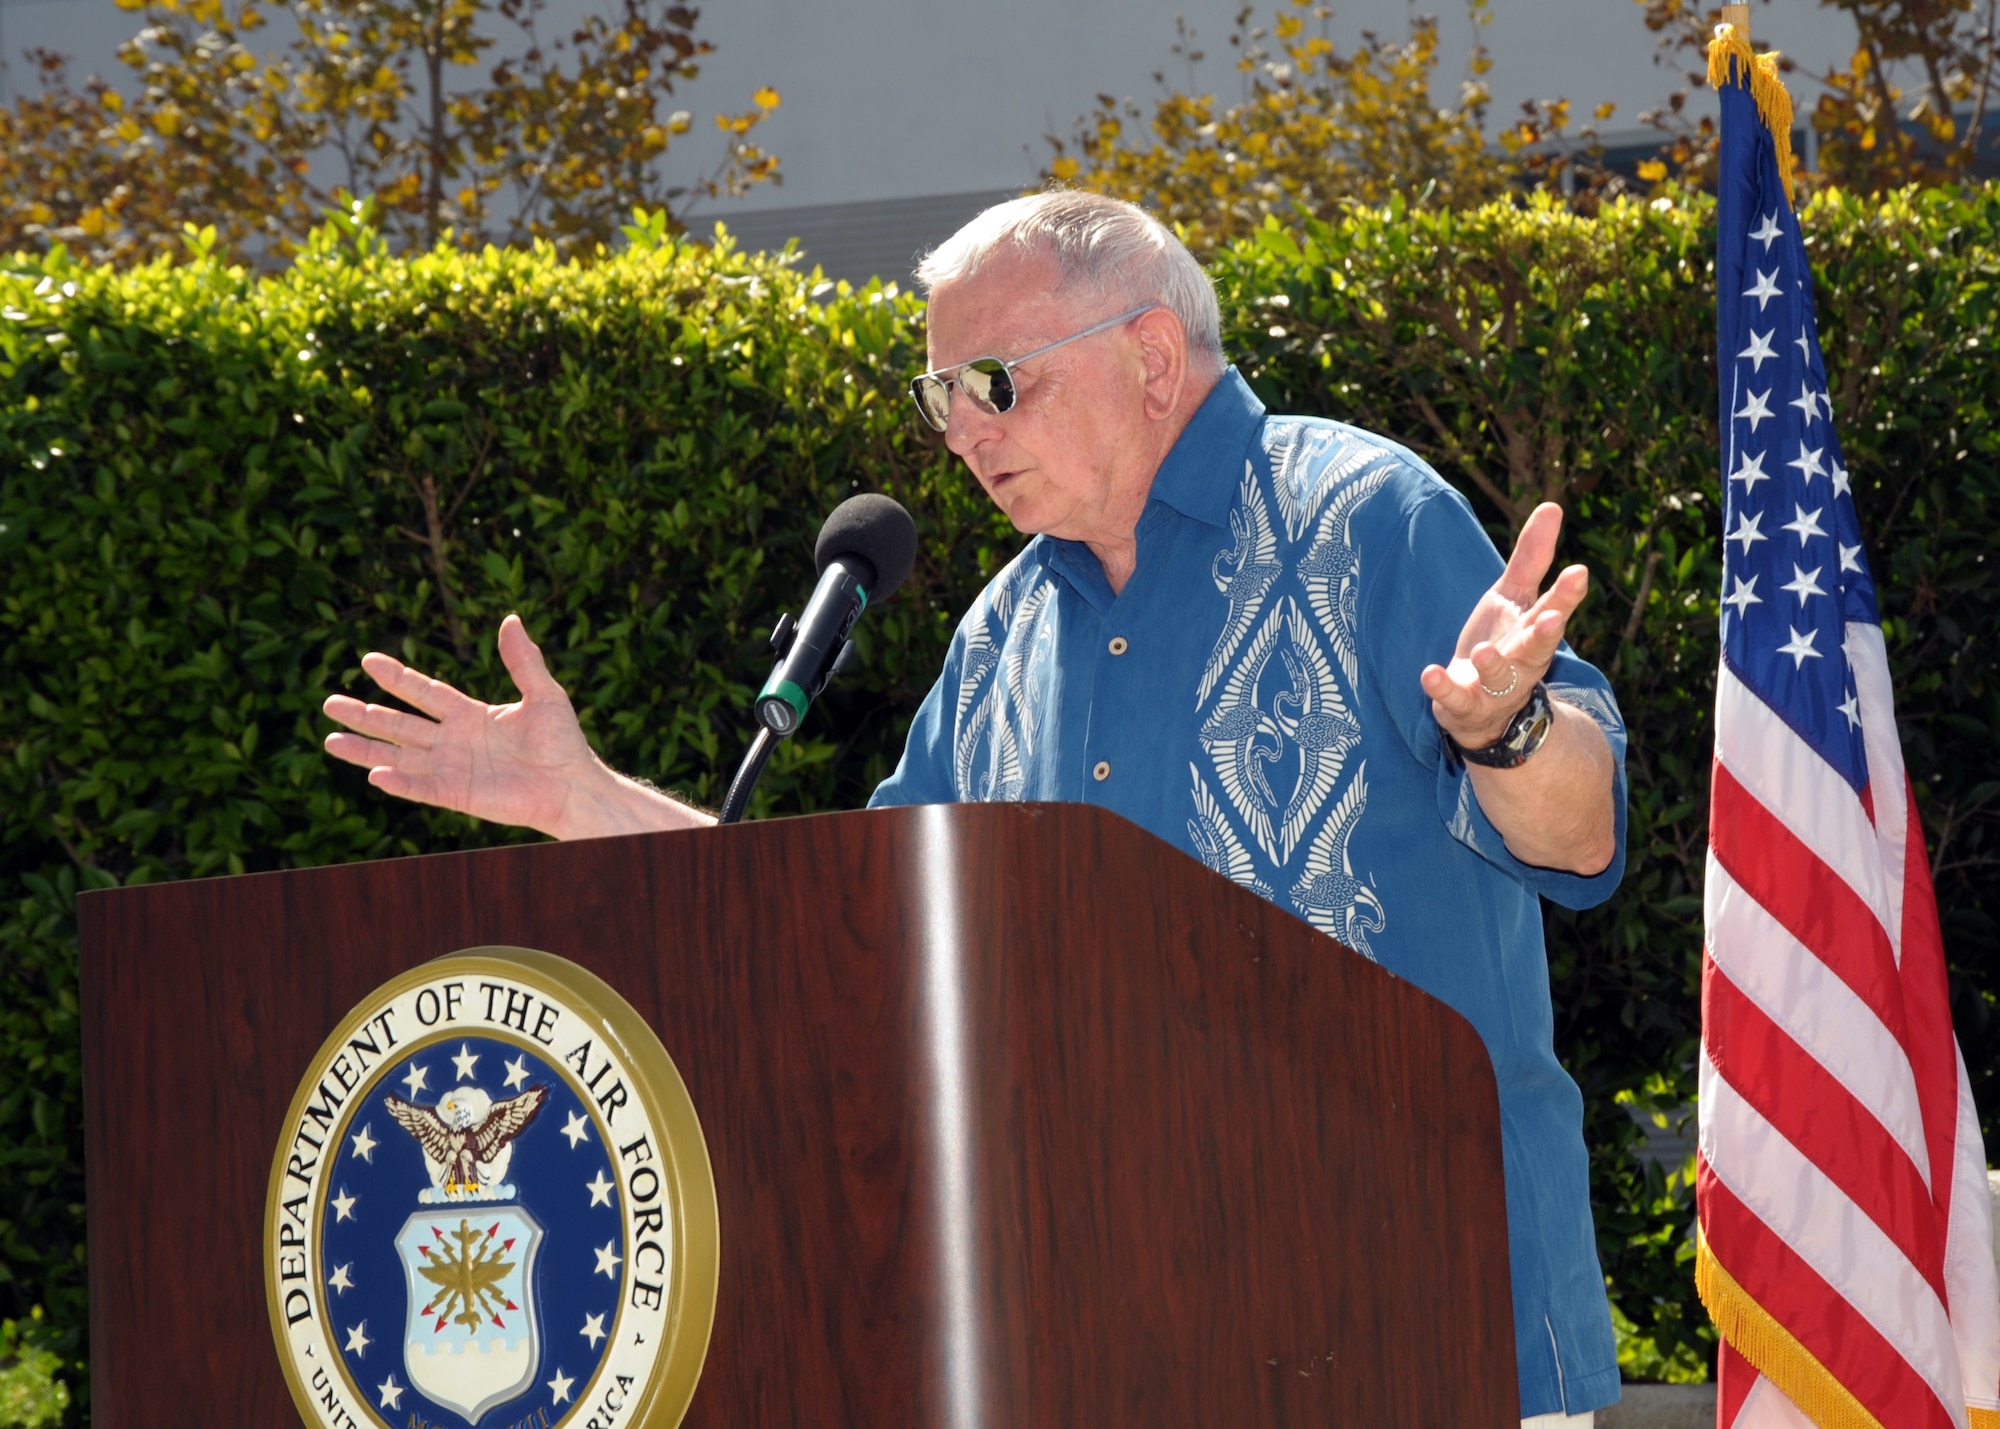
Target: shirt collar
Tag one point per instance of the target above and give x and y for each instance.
(1199, 478)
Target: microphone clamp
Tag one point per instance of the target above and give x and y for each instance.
(813, 649)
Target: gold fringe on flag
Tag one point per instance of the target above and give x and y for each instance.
(1770, 1347)
(1730, 55)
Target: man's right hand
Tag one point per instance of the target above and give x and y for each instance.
(524, 763)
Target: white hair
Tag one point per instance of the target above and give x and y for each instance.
(1104, 244)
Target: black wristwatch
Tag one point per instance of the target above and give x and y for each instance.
(1525, 733)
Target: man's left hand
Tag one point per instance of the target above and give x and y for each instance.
(1556, 810)
(1509, 639)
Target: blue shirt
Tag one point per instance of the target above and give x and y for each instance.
(1252, 697)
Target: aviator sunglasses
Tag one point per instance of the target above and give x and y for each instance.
(989, 381)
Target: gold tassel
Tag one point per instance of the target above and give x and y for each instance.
(1771, 1348)
(1730, 55)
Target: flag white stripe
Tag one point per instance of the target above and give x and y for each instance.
(1765, 1407)
(1868, 658)
(1801, 994)
(1790, 779)
(1969, 1275)
(1788, 1193)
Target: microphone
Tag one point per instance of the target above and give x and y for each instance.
(865, 551)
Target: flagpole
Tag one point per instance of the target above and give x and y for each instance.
(1739, 16)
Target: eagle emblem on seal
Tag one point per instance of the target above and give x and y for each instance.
(467, 1138)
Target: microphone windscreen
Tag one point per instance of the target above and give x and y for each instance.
(875, 529)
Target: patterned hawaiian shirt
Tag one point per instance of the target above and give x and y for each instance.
(1252, 697)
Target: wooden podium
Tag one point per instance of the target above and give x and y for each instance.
(1018, 1117)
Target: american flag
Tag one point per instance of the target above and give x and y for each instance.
(1846, 1248)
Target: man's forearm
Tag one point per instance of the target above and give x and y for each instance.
(1555, 810)
(606, 803)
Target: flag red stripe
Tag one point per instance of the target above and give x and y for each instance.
(1808, 899)
(1813, 1312)
(1932, 1045)
(1819, 1116)
(1735, 1378)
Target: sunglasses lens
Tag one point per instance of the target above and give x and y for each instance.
(985, 380)
(933, 400)
(988, 382)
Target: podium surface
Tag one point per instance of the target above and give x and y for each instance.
(1017, 1116)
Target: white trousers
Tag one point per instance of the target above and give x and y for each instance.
(1561, 1421)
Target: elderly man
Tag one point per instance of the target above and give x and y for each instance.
(1282, 644)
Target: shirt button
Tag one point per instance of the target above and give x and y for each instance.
(1118, 645)
(1102, 771)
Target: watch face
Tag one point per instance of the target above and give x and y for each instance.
(1534, 731)
(1525, 733)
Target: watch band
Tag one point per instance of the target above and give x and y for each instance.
(1525, 733)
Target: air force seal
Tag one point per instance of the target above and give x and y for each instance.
(492, 1208)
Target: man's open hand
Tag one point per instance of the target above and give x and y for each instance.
(1509, 639)
(1556, 810)
(513, 764)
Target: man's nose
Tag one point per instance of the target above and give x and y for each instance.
(968, 425)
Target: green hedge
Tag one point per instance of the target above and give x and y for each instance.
(216, 490)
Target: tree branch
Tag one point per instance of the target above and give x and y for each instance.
(434, 72)
(434, 542)
(1971, 141)
(1638, 616)
(1463, 460)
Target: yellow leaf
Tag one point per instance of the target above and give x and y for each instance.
(1606, 109)
(1064, 168)
(1652, 170)
(113, 101)
(767, 98)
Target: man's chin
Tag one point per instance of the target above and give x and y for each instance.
(1019, 499)
(1017, 507)
(1027, 521)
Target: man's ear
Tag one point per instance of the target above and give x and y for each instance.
(1163, 347)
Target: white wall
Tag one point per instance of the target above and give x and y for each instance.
(899, 98)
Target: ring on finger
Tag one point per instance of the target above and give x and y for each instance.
(1513, 679)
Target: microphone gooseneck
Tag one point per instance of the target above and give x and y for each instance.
(865, 551)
